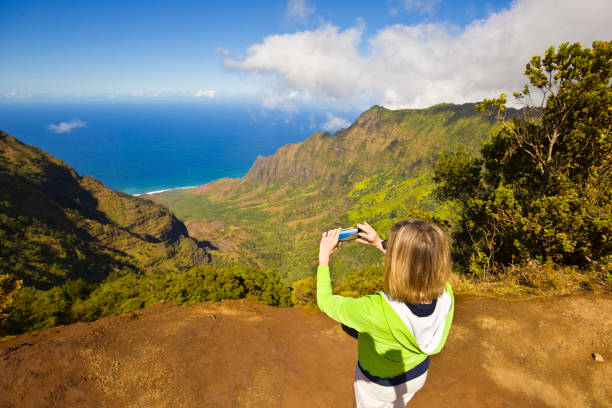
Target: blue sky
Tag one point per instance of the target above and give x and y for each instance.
(409, 53)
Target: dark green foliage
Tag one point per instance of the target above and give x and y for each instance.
(542, 190)
(124, 292)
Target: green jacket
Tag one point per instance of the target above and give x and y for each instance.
(387, 345)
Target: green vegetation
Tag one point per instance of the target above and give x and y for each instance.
(356, 283)
(378, 170)
(304, 292)
(57, 226)
(541, 192)
(8, 288)
(361, 283)
(519, 283)
(76, 300)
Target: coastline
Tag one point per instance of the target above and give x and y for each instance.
(164, 190)
(200, 188)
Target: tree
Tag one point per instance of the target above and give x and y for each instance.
(8, 288)
(541, 189)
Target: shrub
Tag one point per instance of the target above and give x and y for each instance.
(124, 292)
(305, 292)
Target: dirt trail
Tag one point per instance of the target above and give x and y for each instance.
(534, 353)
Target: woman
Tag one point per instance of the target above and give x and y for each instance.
(401, 327)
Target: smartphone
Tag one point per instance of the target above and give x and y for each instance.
(348, 233)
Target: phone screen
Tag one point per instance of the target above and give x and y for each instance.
(348, 233)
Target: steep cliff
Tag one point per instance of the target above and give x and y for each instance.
(379, 140)
(56, 225)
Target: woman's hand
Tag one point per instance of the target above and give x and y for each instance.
(370, 236)
(329, 243)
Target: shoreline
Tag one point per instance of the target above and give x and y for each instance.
(200, 188)
(164, 190)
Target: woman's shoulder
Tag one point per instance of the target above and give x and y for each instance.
(372, 301)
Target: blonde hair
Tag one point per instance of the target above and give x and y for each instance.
(418, 262)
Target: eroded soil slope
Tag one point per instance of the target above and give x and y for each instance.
(534, 353)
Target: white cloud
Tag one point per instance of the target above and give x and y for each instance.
(334, 123)
(425, 64)
(209, 93)
(65, 127)
(299, 10)
(320, 61)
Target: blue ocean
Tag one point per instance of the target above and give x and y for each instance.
(142, 146)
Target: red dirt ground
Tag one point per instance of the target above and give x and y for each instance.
(534, 353)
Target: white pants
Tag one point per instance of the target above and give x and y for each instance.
(368, 394)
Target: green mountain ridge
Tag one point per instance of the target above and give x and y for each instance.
(380, 139)
(56, 225)
(378, 169)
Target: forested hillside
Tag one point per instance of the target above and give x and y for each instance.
(379, 170)
(56, 225)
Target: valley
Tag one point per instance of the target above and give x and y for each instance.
(379, 169)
